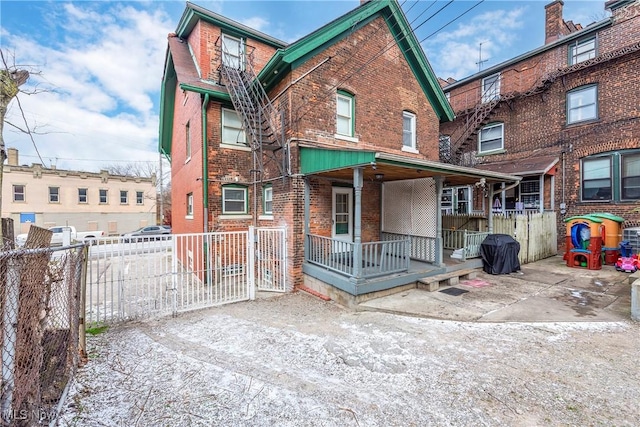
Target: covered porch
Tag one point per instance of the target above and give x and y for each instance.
(384, 228)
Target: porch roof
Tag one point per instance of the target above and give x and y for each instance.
(380, 166)
(539, 165)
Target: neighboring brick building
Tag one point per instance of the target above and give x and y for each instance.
(565, 116)
(334, 137)
(88, 201)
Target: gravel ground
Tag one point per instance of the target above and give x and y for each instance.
(294, 360)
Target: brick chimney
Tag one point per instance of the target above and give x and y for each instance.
(12, 156)
(554, 24)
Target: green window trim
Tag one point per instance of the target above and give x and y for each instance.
(235, 196)
(622, 167)
(487, 138)
(582, 50)
(579, 104)
(347, 115)
(267, 200)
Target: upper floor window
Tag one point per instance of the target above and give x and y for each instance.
(234, 200)
(54, 194)
(408, 130)
(344, 114)
(444, 146)
(187, 131)
(596, 178)
(232, 130)
(19, 193)
(103, 196)
(491, 138)
(82, 195)
(267, 198)
(190, 204)
(491, 87)
(139, 197)
(630, 178)
(582, 50)
(232, 51)
(124, 197)
(582, 104)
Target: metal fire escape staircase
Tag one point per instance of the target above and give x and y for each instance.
(262, 123)
(461, 139)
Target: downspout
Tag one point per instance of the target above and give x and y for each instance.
(205, 175)
(205, 190)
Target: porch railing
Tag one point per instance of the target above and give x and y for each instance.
(468, 241)
(421, 248)
(376, 258)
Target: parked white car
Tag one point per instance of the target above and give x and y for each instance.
(58, 235)
(150, 232)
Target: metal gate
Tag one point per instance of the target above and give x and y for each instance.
(129, 278)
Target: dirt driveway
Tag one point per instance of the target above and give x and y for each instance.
(294, 360)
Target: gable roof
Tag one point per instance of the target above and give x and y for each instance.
(180, 69)
(288, 58)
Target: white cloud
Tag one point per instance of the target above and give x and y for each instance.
(104, 78)
(455, 53)
(257, 23)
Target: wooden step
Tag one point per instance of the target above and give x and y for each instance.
(451, 278)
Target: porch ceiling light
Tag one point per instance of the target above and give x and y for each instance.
(379, 176)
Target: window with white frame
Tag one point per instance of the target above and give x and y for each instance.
(190, 204)
(596, 178)
(444, 147)
(491, 138)
(530, 193)
(232, 51)
(408, 130)
(82, 195)
(139, 197)
(234, 200)
(103, 196)
(582, 50)
(19, 193)
(582, 104)
(54, 194)
(267, 199)
(630, 176)
(232, 130)
(187, 131)
(344, 114)
(491, 87)
(124, 197)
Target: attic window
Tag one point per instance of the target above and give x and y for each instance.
(582, 50)
(232, 52)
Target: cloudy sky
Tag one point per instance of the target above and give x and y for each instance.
(96, 66)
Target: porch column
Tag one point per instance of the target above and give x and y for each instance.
(357, 223)
(490, 196)
(307, 204)
(439, 255)
(542, 193)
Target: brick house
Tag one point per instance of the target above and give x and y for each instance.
(334, 137)
(564, 116)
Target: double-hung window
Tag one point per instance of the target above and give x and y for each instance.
(19, 193)
(103, 195)
(82, 195)
(491, 87)
(232, 51)
(139, 197)
(344, 114)
(267, 198)
(582, 50)
(630, 176)
(232, 130)
(408, 131)
(124, 197)
(596, 178)
(190, 205)
(491, 138)
(582, 104)
(234, 200)
(54, 194)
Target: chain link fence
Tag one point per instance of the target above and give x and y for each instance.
(41, 311)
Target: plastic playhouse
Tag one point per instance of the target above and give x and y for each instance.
(584, 241)
(611, 236)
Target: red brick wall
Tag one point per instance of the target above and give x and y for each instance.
(185, 174)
